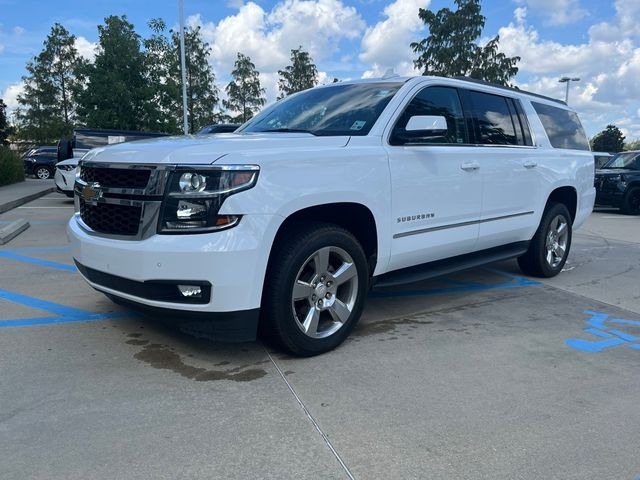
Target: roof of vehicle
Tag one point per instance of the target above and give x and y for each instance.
(604, 153)
(400, 79)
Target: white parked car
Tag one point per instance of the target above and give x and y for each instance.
(287, 223)
(65, 176)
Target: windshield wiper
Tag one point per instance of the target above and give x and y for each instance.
(288, 130)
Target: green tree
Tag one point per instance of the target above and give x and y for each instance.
(117, 94)
(5, 129)
(202, 93)
(48, 105)
(164, 108)
(634, 145)
(164, 78)
(300, 75)
(610, 139)
(451, 48)
(245, 95)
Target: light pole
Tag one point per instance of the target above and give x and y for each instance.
(184, 72)
(568, 81)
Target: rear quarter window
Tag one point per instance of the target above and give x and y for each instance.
(562, 126)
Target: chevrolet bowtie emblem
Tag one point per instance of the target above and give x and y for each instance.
(91, 193)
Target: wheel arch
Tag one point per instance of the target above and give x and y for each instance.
(354, 217)
(566, 195)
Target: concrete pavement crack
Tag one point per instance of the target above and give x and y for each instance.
(310, 417)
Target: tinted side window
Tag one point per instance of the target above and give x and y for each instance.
(438, 101)
(495, 124)
(563, 127)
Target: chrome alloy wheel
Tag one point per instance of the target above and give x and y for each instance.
(556, 242)
(43, 173)
(325, 292)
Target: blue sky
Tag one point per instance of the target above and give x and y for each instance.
(598, 41)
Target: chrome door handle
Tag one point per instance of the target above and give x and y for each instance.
(470, 166)
(530, 164)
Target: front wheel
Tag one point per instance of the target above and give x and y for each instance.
(550, 245)
(631, 202)
(315, 289)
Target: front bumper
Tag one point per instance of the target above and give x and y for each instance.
(232, 261)
(609, 198)
(65, 180)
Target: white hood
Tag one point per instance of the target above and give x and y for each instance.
(203, 150)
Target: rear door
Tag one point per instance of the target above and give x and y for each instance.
(435, 183)
(509, 165)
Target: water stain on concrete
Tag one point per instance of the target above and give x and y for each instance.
(137, 342)
(163, 358)
(134, 335)
(414, 321)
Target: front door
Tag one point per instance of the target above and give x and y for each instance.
(435, 183)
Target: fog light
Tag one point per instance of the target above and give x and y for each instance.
(190, 291)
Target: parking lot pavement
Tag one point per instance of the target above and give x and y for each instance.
(481, 375)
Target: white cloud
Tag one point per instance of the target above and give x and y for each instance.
(268, 36)
(386, 44)
(608, 67)
(556, 12)
(10, 96)
(86, 49)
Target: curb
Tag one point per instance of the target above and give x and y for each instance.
(5, 207)
(12, 230)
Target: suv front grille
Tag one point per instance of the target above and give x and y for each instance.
(115, 177)
(111, 218)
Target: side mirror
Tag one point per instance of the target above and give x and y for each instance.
(427, 123)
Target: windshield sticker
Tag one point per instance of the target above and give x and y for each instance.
(358, 124)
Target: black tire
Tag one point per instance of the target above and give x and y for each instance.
(43, 173)
(631, 202)
(278, 321)
(534, 262)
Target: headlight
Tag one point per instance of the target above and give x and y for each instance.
(194, 197)
(65, 168)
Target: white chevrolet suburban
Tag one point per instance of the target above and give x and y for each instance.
(286, 224)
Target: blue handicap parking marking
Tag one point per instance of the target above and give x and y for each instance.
(63, 313)
(22, 255)
(600, 325)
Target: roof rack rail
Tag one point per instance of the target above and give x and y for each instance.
(511, 89)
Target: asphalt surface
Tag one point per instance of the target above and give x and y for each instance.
(481, 375)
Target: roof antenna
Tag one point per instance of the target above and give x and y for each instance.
(389, 74)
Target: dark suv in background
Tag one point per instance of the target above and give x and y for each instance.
(618, 183)
(41, 161)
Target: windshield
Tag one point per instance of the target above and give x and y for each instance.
(342, 109)
(622, 160)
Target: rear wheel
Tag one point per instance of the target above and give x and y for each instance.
(550, 245)
(631, 202)
(314, 290)
(43, 173)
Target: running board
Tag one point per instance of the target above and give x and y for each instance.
(419, 273)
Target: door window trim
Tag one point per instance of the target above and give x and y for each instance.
(466, 111)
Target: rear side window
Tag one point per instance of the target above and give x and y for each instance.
(437, 101)
(563, 127)
(495, 119)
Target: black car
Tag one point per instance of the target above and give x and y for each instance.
(618, 183)
(218, 128)
(41, 161)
